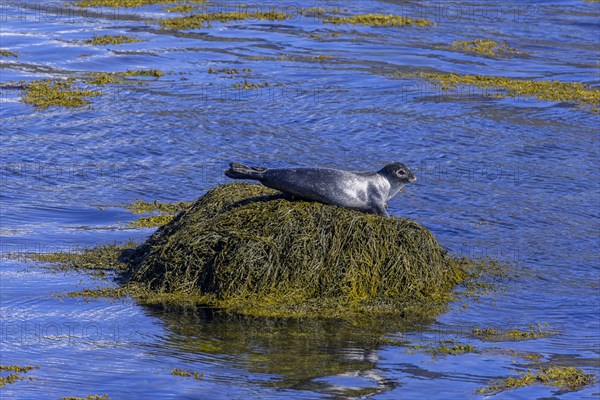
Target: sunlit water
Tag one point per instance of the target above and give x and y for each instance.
(513, 179)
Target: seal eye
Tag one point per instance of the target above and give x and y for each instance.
(401, 172)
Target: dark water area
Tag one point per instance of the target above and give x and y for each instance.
(514, 179)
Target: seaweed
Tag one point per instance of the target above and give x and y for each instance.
(130, 3)
(573, 92)
(151, 221)
(245, 85)
(182, 372)
(498, 335)
(228, 71)
(105, 78)
(569, 378)
(156, 73)
(382, 20)
(144, 207)
(485, 47)
(196, 21)
(100, 258)
(88, 397)
(46, 93)
(111, 39)
(166, 212)
(7, 53)
(448, 347)
(15, 375)
(247, 248)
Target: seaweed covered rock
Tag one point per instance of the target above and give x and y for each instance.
(248, 247)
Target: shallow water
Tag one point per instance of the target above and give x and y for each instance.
(513, 179)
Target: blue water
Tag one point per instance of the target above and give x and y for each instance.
(513, 179)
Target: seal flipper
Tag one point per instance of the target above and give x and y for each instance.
(380, 209)
(240, 171)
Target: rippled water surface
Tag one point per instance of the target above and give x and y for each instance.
(515, 179)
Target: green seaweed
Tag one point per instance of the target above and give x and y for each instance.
(152, 221)
(245, 85)
(143, 72)
(9, 379)
(228, 71)
(485, 47)
(111, 39)
(166, 212)
(105, 78)
(88, 397)
(144, 207)
(498, 335)
(248, 249)
(16, 374)
(181, 372)
(104, 257)
(196, 21)
(448, 347)
(383, 20)
(130, 3)
(181, 8)
(7, 53)
(569, 378)
(62, 93)
(544, 90)
(324, 36)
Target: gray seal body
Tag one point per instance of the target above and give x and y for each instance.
(363, 191)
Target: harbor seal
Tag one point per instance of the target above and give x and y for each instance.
(363, 191)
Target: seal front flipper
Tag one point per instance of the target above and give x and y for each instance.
(240, 171)
(380, 209)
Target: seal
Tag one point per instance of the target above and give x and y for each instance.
(362, 191)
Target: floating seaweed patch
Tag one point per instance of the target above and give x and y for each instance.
(16, 373)
(7, 53)
(99, 258)
(245, 85)
(131, 3)
(325, 35)
(88, 397)
(196, 21)
(573, 92)
(449, 347)
(568, 378)
(499, 335)
(181, 8)
(165, 212)
(485, 47)
(111, 39)
(156, 73)
(105, 78)
(382, 20)
(188, 374)
(63, 93)
(228, 71)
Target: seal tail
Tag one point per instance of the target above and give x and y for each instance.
(240, 171)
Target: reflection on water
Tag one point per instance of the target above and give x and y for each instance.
(310, 354)
(514, 179)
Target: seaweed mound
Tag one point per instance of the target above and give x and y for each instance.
(248, 247)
